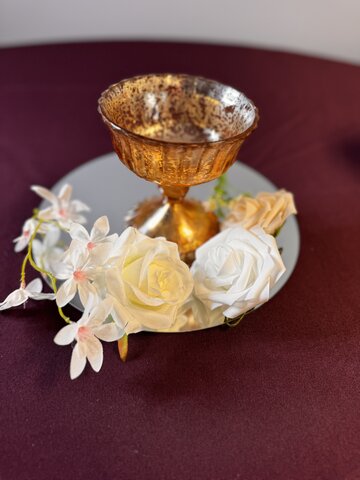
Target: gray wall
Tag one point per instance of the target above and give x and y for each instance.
(328, 28)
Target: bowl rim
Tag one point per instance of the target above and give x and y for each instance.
(130, 133)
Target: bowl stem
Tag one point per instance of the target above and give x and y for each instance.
(173, 194)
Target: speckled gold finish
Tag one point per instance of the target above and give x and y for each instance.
(176, 131)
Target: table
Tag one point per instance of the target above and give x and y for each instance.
(276, 398)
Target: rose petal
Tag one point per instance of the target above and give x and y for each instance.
(124, 320)
(115, 287)
(252, 265)
(126, 239)
(109, 332)
(269, 210)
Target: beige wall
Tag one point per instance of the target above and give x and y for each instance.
(327, 28)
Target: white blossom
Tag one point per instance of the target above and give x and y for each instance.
(98, 243)
(78, 270)
(46, 252)
(92, 326)
(21, 295)
(27, 230)
(62, 210)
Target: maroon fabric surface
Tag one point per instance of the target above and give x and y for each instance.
(276, 398)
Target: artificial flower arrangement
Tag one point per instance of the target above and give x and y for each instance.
(130, 282)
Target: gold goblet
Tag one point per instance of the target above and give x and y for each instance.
(176, 131)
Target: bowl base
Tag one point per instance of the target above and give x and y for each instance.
(186, 223)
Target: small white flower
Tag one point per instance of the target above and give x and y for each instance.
(46, 252)
(27, 230)
(62, 209)
(19, 296)
(236, 269)
(78, 271)
(87, 331)
(97, 242)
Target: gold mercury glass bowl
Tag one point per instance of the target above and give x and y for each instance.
(177, 131)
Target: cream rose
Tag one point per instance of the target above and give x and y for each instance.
(235, 270)
(148, 282)
(268, 210)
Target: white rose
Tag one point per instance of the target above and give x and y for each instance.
(268, 210)
(195, 315)
(236, 269)
(148, 281)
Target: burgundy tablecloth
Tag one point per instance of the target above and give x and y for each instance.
(276, 398)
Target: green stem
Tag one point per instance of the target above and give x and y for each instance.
(220, 196)
(234, 322)
(29, 258)
(23, 269)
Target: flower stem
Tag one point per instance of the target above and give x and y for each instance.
(220, 196)
(123, 347)
(23, 271)
(29, 258)
(234, 322)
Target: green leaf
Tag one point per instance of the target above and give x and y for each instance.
(220, 196)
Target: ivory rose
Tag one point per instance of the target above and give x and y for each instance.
(195, 315)
(268, 210)
(235, 270)
(147, 281)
